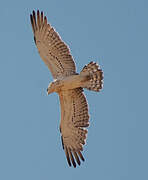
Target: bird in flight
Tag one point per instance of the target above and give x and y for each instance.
(68, 84)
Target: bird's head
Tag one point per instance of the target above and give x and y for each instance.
(51, 88)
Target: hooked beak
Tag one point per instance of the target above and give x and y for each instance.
(49, 90)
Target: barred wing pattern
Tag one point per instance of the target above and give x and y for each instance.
(74, 119)
(54, 52)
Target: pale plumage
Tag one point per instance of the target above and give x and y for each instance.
(52, 49)
(68, 84)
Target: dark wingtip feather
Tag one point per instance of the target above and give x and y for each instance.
(72, 159)
(62, 142)
(33, 12)
(34, 16)
(67, 156)
(45, 18)
(31, 19)
(81, 156)
(34, 39)
(77, 158)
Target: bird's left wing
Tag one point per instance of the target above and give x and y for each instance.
(74, 119)
(54, 52)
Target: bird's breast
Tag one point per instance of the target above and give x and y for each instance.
(71, 82)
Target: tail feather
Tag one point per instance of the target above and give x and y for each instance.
(95, 74)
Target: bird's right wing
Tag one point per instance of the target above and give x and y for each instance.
(54, 52)
(74, 119)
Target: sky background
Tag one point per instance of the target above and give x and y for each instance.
(112, 33)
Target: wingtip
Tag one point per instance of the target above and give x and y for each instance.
(67, 156)
(72, 158)
(77, 158)
(45, 18)
(74, 165)
(31, 18)
(81, 156)
(33, 12)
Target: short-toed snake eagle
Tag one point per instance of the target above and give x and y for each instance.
(68, 84)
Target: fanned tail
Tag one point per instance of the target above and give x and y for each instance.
(95, 77)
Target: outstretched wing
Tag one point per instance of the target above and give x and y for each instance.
(74, 119)
(54, 52)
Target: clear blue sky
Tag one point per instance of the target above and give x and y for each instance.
(112, 33)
